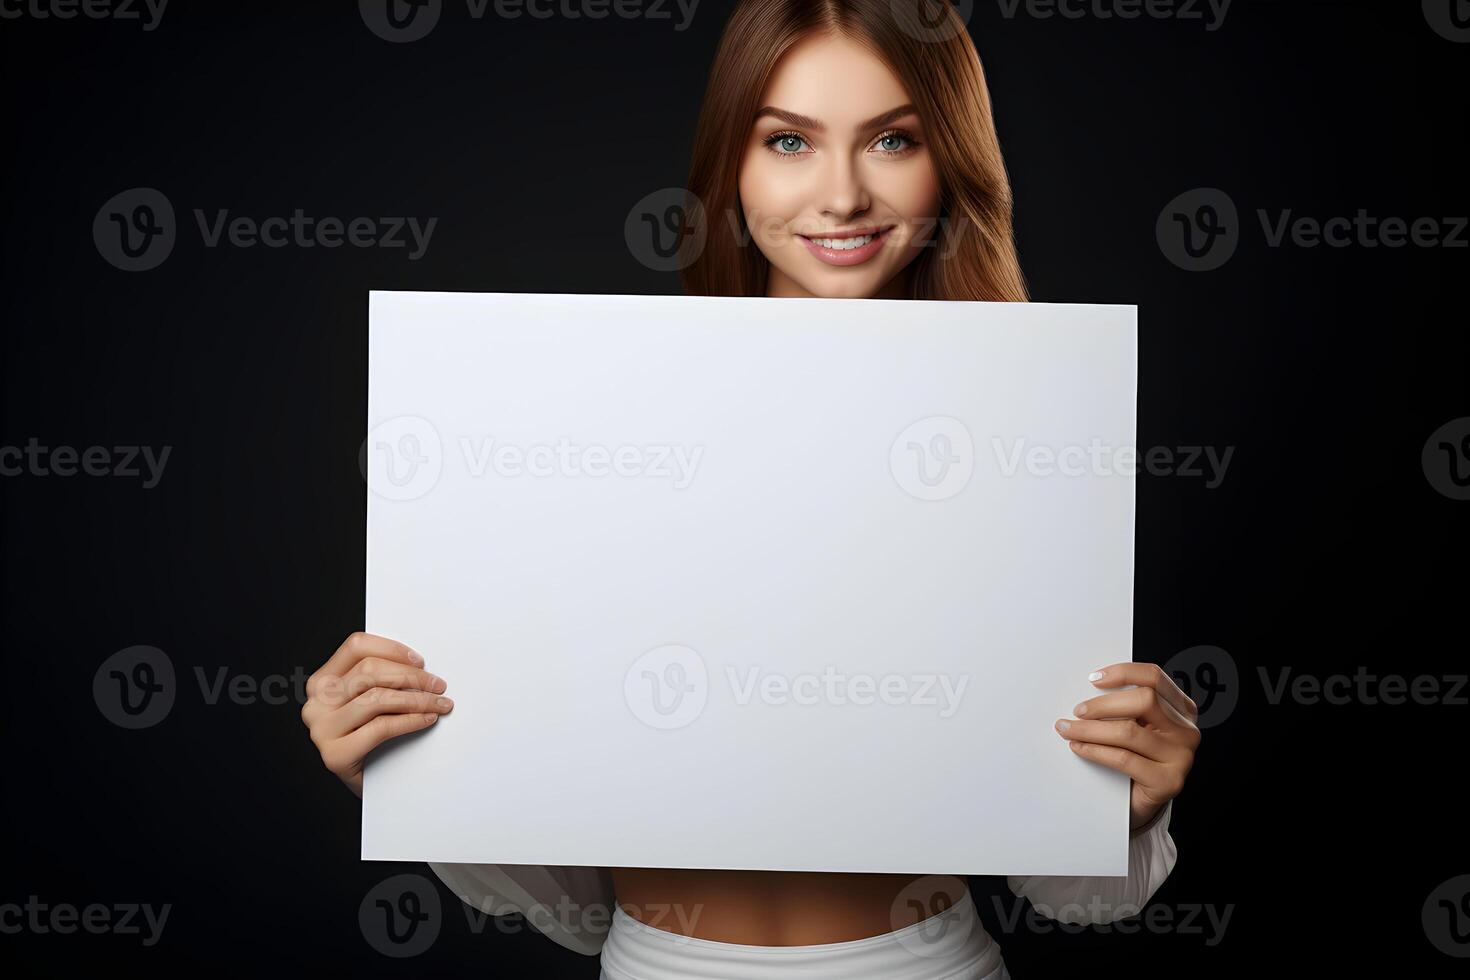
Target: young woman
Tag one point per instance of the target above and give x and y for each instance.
(845, 149)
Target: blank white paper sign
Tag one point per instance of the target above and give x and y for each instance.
(750, 583)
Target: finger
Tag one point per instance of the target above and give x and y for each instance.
(1125, 734)
(351, 749)
(359, 646)
(1141, 703)
(377, 701)
(1154, 676)
(1145, 771)
(374, 672)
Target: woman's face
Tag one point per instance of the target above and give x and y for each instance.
(836, 181)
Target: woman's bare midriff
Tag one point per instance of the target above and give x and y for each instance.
(781, 908)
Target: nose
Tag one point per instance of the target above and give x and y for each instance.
(844, 191)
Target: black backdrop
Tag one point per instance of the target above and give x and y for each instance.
(1321, 829)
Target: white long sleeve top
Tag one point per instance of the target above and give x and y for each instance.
(573, 905)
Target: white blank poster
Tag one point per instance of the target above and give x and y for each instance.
(782, 584)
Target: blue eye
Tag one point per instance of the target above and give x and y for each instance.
(895, 142)
(785, 144)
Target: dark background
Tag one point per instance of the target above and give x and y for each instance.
(1323, 828)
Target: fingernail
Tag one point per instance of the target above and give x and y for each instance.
(437, 685)
(444, 703)
(416, 657)
(1080, 710)
(1063, 725)
(431, 718)
(1096, 675)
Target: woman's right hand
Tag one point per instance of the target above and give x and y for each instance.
(372, 689)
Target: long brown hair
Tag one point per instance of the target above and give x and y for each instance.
(973, 250)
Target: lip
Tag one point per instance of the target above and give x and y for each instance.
(848, 256)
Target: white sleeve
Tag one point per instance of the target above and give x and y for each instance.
(571, 905)
(1100, 900)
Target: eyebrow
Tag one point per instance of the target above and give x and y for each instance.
(807, 122)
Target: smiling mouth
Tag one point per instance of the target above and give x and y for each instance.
(847, 247)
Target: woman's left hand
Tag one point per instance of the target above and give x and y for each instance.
(1149, 732)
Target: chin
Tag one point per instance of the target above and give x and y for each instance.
(832, 286)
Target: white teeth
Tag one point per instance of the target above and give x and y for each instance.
(844, 243)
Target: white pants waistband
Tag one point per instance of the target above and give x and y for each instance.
(952, 945)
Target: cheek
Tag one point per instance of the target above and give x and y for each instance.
(771, 189)
(913, 195)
